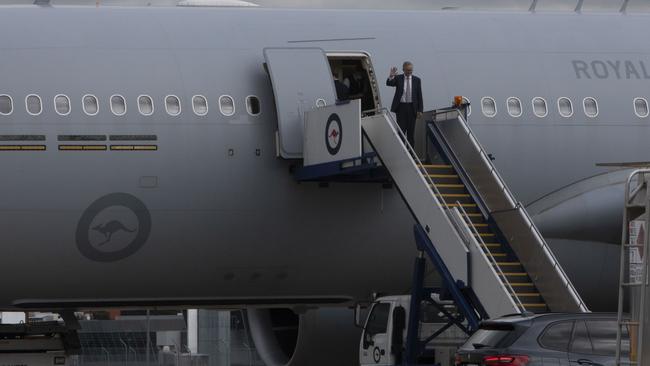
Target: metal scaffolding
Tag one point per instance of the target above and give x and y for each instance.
(633, 314)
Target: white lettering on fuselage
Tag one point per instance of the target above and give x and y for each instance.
(610, 69)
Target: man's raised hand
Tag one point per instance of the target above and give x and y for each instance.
(393, 71)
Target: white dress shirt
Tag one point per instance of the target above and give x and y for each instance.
(408, 83)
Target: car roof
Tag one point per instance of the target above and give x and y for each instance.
(548, 317)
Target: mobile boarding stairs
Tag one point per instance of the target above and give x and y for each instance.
(491, 257)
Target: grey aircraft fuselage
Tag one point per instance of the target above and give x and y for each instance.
(221, 219)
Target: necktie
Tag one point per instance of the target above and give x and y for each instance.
(408, 90)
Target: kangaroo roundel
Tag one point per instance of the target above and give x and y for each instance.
(333, 134)
(113, 227)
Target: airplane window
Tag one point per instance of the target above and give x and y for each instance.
(641, 107)
(145, 105)
(489, 107)
(118, 105)
(173, 105)
(227, 105)
(539, 107)
(34, 105)
(591, 107)
(253, 105)
(469, 106)
(565, 107)
(6, 105)
(90, 105)
(62, 104)
(200, 105)
(514, 107)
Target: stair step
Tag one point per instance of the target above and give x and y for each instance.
(475, 217)
(508, 264)
(526, 294)
(498, 254)
(444, 176)
(482, 228)
(436, 166)
(459, 195)
(463, 204)
(521, 284)
(483, 235)
(492, 245)
(449, 185)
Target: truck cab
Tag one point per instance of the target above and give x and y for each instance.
(383, 339)
(384, 332)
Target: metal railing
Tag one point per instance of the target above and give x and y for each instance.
(637, 299)
(432, 187)
(481, 244)
(485, 157)
(556, 264)
(488, 195)
(435, 214)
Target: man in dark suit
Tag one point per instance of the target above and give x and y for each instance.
(407, 102)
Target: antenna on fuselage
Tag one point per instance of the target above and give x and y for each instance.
(624, 6)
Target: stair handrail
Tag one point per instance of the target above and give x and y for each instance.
(518, 206)
(480, 242)
(432, 187)
(487, 160)
(556, 264)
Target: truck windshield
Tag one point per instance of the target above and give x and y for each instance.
(378, 319)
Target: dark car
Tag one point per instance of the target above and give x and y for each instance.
(545, 339)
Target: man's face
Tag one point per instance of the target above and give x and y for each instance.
(408, 70)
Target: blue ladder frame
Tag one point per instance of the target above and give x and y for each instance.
(468, 304)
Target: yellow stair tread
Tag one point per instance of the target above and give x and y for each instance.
(446, 185)
(508, 264)
(492, 245)
(443, 175)
(479, 225)
(514, 274)
(485, 234)
(474, 214)
(453, 195)
(498, 254)
(462, 204)
(441, 166)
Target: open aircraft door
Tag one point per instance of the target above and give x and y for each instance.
(302, 80)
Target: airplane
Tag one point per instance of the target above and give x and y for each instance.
(143, 168)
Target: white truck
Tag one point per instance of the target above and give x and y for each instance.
(384, 336)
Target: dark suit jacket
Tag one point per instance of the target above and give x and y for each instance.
(416, 92)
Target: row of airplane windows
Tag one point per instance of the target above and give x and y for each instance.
(564, 106)
(117, 103)
(172, 103)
